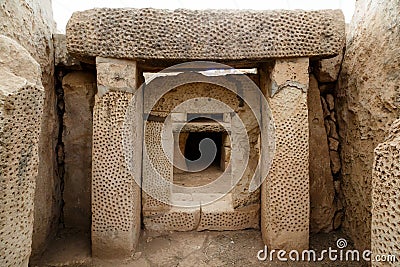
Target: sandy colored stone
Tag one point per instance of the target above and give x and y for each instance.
(79, 90)
(330, 101)
(367, 104)
(115, 209)
(288, 73)
(332, 116)
(203, 34)
(325, 109)
(333, 144)
(327, 70)
(385, 236)
(321, 181)
(116, 74)
(221, 215)
(31, 24)
(61, 55)
(116, 197)
(176, 219)
(336, 185)
(284, 202)
(18, 61)
(21, 106)
(333, 130)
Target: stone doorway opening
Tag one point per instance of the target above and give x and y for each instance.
(191, 151)
(214, 196)
(198, 181)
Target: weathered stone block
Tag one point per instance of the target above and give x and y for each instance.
(116, 75)
(61, 55)
(176, 219)
(213, 218)
(203, 35)
(333, 144)
(327, 70)
(21, 106)
(289, 73)
(31, 24)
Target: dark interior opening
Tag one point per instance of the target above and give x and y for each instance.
(202, 117)
(192, 151)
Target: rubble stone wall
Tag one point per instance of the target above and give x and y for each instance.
(325, 164)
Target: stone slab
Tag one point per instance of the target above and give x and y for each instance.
(204, 34)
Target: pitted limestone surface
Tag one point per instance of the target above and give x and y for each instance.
(208, 34)
(20, 118)
(115, 193)
(21, 111)
(177, 219)
(286, 186)
(235, 219)
(156, 190)
(385, 195)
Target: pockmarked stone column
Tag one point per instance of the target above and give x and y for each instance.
(385, 236)
(285, 191)
(116, 200)
(21, 109)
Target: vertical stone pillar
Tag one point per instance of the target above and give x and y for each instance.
(21, 107)
(285, 192)
(116, 201)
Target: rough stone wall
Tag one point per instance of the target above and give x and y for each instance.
(79, 88)
(321, 180)
(385, 235)
(30, 23)
(367, 103)
(21, 106)
(326, 208)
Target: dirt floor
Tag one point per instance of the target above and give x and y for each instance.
(207, 248)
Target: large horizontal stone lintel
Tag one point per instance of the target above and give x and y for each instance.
(204, 35)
